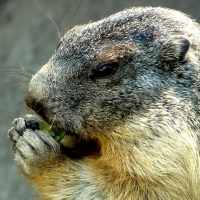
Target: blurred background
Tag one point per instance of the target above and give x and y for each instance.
(28, 38)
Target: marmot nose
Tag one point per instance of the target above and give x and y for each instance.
(33, 97)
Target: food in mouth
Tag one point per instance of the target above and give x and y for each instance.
(57, 133)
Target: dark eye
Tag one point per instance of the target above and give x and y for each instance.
(106, 70)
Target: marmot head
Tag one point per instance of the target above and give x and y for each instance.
(140, 64)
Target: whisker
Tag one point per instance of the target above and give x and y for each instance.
(23, 93)
(28, 70)
(13, 82)
(39, 110)
(16, 72)
(63, 25)
(24, 88)
(25, 82)
(7, 69)
(52, 122)
(10, 67)
(15, 105)
(75, 12)
(25, 75)
(58, 32)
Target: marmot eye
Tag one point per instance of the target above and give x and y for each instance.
(106, 70)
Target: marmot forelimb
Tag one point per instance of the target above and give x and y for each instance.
(126, 90)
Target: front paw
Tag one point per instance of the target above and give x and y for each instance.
(32, 147)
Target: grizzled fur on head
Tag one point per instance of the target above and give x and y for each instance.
(155, 55)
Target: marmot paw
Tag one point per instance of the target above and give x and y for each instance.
(32, 147)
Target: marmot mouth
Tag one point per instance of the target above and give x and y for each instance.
(72, 144)
(76, 147)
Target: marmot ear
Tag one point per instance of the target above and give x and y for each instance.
(175, 49)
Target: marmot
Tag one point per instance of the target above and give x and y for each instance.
(126, 90)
